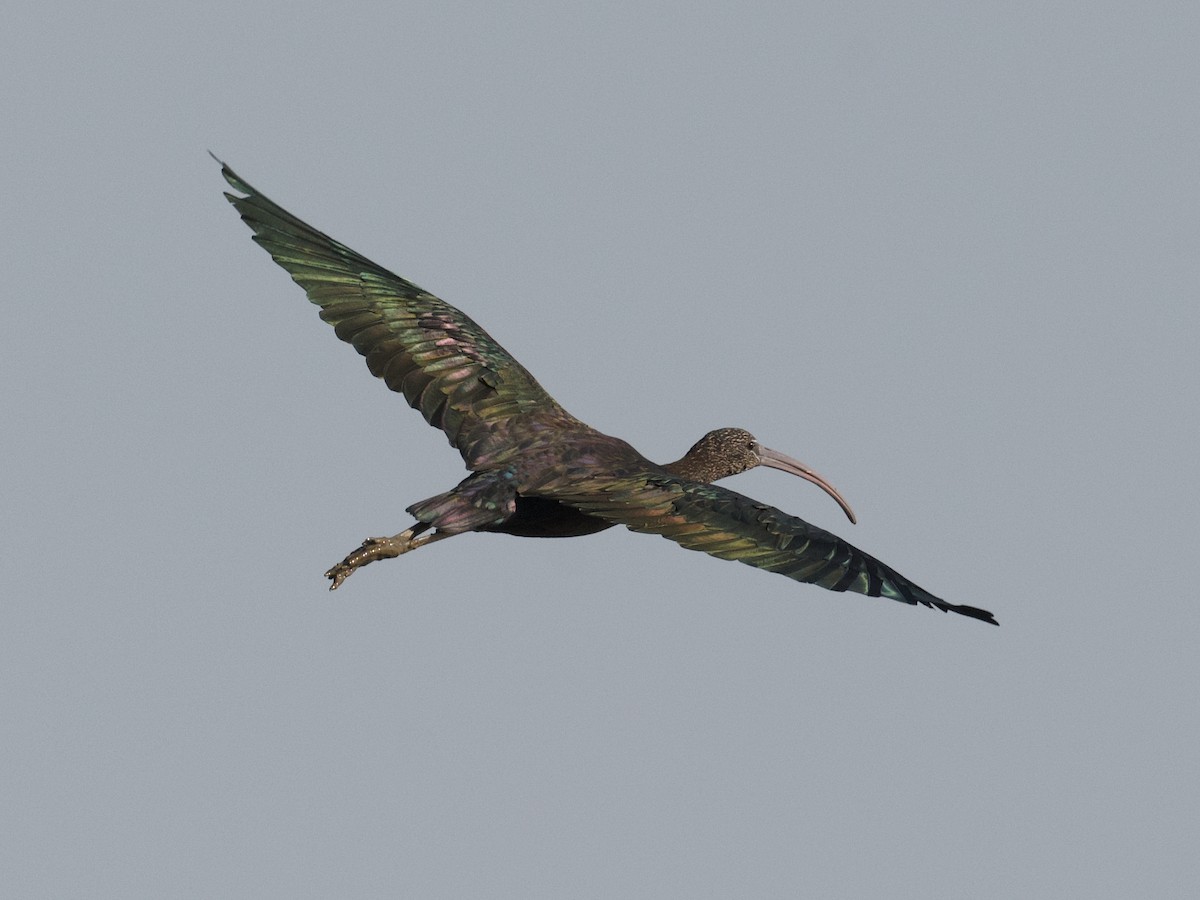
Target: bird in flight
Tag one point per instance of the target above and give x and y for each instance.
(536, 470)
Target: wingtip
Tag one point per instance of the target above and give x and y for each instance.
(232, 177)
(974, 612)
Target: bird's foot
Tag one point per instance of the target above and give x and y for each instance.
(368, 552)
(374, 549)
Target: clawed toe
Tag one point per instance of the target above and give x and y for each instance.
(359, 557)
(337, 575)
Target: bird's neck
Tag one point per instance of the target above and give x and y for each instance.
(695, 468)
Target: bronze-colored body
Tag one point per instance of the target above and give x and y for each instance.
(536, 470)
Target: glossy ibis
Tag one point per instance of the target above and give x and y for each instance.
(536, 470)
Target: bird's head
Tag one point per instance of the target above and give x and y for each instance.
(728, 451)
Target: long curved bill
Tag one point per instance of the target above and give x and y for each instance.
(775, 460)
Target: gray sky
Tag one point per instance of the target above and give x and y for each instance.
(944, 253)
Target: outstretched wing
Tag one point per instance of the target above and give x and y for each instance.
(444, 364)
(729, 525)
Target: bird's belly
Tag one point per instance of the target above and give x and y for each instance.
(540, 517)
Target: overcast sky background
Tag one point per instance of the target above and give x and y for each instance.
(945, 253)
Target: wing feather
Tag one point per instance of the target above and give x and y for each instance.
(728, 525)
(444, 364)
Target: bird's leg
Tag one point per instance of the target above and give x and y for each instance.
(373, 549)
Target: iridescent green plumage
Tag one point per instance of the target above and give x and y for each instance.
(444, 364)
(728, 525)
(537, 470)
